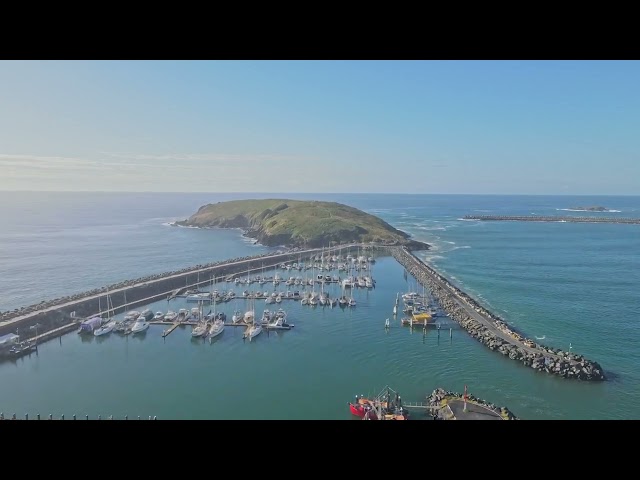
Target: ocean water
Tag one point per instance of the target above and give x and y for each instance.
(573, 284)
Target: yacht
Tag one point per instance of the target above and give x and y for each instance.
(140, 326)
(237, 316)
(147, 314)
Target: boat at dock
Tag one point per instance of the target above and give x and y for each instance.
(140, 325)
(216, 328)
(105, 329)
(90, 325)
(387, 405)
(159, 316)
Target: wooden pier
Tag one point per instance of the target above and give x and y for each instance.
(168, 331)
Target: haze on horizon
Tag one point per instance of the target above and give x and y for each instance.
(486, 127)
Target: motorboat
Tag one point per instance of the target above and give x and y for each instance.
(147, 314)
(140, 326)
(170, 316)
(159, 316)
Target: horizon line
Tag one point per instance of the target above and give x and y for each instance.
(333, 193)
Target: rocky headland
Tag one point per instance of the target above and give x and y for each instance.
(296, 223)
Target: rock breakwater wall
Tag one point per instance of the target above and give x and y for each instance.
(552, 218)
(492, 331)
(439, 394)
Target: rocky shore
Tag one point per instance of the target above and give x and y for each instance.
(439, 394)
(553, 218)
(492, 331)
(8, 315)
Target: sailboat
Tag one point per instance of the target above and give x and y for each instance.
(217, 326)
(109, 326)
(202, 327)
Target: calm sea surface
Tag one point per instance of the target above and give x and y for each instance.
(576, 285)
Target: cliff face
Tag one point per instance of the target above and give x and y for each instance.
(298, 223)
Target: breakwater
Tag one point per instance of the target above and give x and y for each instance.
(552, 218)
(440, 396)
(54, 314)
(491, 330)
(62, 417)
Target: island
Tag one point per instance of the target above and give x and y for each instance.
(590, 209)
(298, 223)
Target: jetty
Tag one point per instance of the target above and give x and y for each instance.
(491, 330)
(447, 405)
(552, 218)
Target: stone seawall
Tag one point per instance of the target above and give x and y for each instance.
(492, 331)
(552, 218)
(126, 295)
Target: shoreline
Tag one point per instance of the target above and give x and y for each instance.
(246, 233)
(492, 331)
(551, 218)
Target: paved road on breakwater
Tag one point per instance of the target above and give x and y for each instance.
(21, 318)
(539, 218)
(471, 311)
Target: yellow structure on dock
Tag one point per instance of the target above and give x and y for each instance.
(418, 319)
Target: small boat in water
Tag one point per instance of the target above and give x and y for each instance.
(253, 331)
(140, 326)
(147, 314)
(170, 316)
(159, 316)
(104, 329)
(217, 327)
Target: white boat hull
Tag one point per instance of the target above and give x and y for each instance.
(139, 327)
(108, 328)
(215, 331)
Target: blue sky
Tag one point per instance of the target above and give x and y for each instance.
(504, 127)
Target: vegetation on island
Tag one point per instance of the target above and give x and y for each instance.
(591, 209)
(297, 223)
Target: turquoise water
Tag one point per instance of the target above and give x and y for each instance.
(574, 284)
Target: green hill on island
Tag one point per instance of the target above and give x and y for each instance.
(297, 223)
